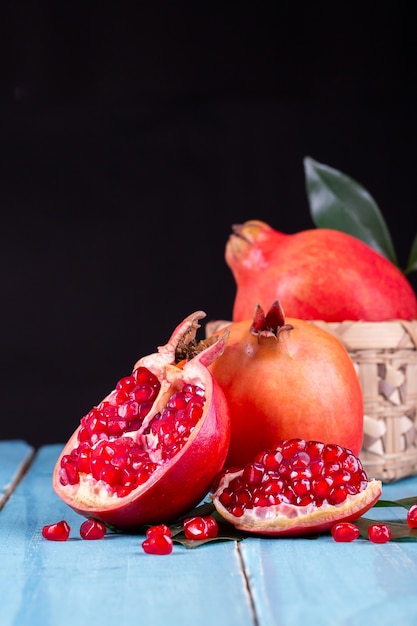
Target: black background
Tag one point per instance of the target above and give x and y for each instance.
(132, 136)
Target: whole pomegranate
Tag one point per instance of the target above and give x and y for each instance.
(317, 274)
(297, 488)
(287, 378)
(148, 452)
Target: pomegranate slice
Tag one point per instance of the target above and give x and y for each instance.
(149, 451)
(300, 487)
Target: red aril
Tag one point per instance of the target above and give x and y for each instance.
(158, 543)
(60, 531)
(201, 527)
(298, 488)
(92, 529)
(149, 451)
(379, 533)
(160, 529)
(412, 516)
(345, 532)
(286, 378)
(316, 274)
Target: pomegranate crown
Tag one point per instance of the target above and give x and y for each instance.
(271, 324)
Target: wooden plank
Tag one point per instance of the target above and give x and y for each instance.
(14, 459)
(111, 581)
(319, 581)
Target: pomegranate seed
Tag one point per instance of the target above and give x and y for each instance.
(321, 486)
(69, 470)
(299, 460)
(350, 463)
(126, 384)
(253, 473)
(159, 543)
(260, 499)
(301, 486)
(379, 533)
(59, 531)
(237, 510)
(314, 449)
(307, 499)
(412, 516)
(201, 527)
(161, 529)
(333, 452)
(338, 494)
(291, 447)
(345, 531)
(92, 529)
(145, 377)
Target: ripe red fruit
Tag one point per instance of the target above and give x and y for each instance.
(317, 274)
(286, 378)
(92, 529)
(344, 532)
(412, 516)
(298, 488)
(149, 451)
(60, 531)
(379, 533)
(201, 527)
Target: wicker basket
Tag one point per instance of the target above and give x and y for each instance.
(385, 356)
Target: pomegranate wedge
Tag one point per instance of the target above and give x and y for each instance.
(300, 487)
(148, 452)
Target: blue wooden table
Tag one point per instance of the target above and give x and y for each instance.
(254, 582)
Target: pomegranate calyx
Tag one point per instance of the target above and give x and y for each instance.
(183, 334)
(242, 230)
(187, 351)
(183, 346)
(271, 324)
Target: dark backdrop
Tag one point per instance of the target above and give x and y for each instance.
(131, 139)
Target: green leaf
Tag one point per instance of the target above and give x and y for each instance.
(338, 202)
(400, 531)
(406, 503)
(412, 261)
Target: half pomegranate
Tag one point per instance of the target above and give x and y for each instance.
(300, 487)
(149, 451)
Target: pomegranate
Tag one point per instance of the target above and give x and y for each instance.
(316, 274)
(298, 488)
(287, 378)
(148, 452)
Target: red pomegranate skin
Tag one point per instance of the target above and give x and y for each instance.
(179, 483)
(301, 383)
(317, 274)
